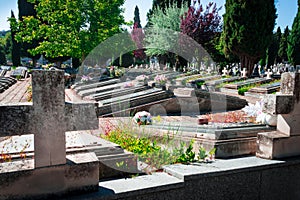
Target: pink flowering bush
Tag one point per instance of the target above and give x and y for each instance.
(160, 79)
(85, 79)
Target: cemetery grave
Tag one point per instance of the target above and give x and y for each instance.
(2, 72)
(96, 159)
(230, 140)
(240, 87)
(264, 89)
(43, 142)
(19, 73)
(6, 82)
(284, 142)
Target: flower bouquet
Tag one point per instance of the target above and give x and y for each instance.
(85, 79)
(142, 79)
(160, 79)
(142, 118)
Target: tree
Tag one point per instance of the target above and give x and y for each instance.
(27, 9)
(248, 29)
(138, 36)
(15, 54)
(163, 4)
(2, 55)
(283, 46)
(272, 51)
(136, 19)
(163, 24)
(70, 28)
(294, 40)
(202, 25)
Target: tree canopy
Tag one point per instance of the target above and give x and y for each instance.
(294, 40)
(283, 45)
(70, 28)
(248, 29)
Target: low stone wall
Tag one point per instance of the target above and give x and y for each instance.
(248, 178)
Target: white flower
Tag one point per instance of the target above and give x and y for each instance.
(142, 118)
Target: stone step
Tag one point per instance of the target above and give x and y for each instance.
(276, 145)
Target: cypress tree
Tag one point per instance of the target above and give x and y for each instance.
(2, 55)
(248, 29)
(294, 40)
(15, 54)
(138, 36)
(27, 9)
(136, 19)
(283, 46)
(272, 51)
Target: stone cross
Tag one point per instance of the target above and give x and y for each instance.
(209, 70)
(269, 73)
(244, 73)
(225, 72)
(48, 118)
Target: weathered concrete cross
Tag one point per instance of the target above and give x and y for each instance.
(244, 73)
(48, 118)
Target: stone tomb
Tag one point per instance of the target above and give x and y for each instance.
(233, 87)
(229, 139)
(20, 72)
(264, 89)
(6, 82)
(48, 118)
(284, 142)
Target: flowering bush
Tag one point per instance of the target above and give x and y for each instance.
(142, 118)
(142, 78)
(128, 84)
(161, 79)
(85, 79)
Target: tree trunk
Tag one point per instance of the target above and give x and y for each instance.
(248, 63)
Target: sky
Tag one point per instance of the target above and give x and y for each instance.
(286, 11)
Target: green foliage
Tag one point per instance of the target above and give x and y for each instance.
(149, 150)
(15, 53)
(294, 40)
(163, 23)
(283, 46)
(242, 90)
(70, 28)
(187, 156)
(2, 55)
(272, 51)
(248, 29)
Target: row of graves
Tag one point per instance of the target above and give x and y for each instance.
(5, 80)
(49, 147)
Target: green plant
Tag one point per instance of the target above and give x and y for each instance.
(150, 149)
(188, 155)
(18, 77)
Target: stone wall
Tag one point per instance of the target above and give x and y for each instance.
(15, 119)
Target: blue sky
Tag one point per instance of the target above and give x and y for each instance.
(286, 10)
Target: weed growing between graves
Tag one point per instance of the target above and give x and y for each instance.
(155, 151)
